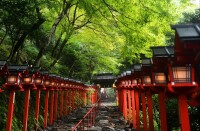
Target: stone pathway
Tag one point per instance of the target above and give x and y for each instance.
(109, 118)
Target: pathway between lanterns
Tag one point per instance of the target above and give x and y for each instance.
(109, 118)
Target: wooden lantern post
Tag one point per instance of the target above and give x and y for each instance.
(39, 79)
(147, 84)
(62, 85)
(161, 57)
(13, 83)
(137, 77)
(47, 84)
(133, 103)
(52, 95)
(56, 89)
(28, 83)
(181, 69)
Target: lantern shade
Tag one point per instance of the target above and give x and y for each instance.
(182, 74)
(134, 81)
(52, 83)
(62, 84)
(27, 80)
(38, 80)
(12, 79)
(160, 78)
(146, 80)
(47, 82)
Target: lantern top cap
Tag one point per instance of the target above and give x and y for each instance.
(33, 70)
(17, 68)
(163, 51)
(147, 62)
(52, 75)
(137, 67)
(43, 72)
(128, 72)
(66, 79)
(187, 31)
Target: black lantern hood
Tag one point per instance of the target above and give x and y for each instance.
(34, 70)
(128, 72)
(187, 31)
(147, 62)
(14, 69)
(163, 51)
(137, 67)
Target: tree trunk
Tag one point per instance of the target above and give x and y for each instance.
(59, 52)
(23, 37)
(53, 29)
(53, 53)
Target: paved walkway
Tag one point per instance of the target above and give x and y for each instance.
(108, 118)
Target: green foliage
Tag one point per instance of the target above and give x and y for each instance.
(79, 38)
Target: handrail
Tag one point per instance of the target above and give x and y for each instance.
(91, 117)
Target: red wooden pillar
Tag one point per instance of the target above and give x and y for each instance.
(85, 98)
(10, 111)
(37, 107)
(55, 105)
(61, 102)
(129, 105)
(124, 104)
(51, 107)
(183, 113)
(150, 111)
(162, 109)
(133, 108)
(72, 99)
(46, 108)
(137, 110)
(144, 111)
(67, 103)
(26, 109)
(120, 101)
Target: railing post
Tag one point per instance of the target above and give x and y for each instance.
(162, 108)
(61, 103)
(46, 108)
(124, 104)
(26, 109)
(133, 108)
(55, 105)
(37, 107)
(183, 113)
(144, 111)
(10, 111)
(150, 111)
(51, 107)
(137, 110)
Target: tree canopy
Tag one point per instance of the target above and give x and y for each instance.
(77, 38)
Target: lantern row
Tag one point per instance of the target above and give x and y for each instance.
(172, 72)
(20, 77)
(25, 78)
